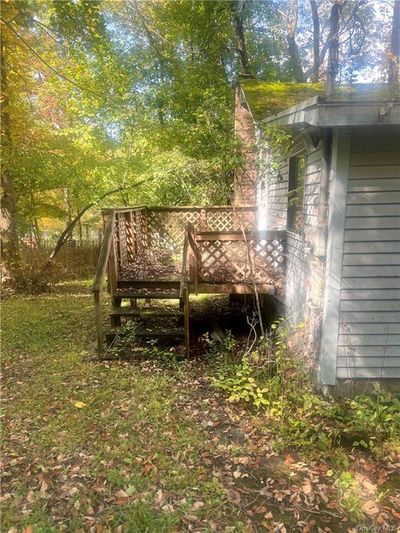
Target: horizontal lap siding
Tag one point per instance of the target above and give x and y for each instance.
(296, 273)
(297, 261)
(369, 335)
(311, 191)
(298, 268)
(277, 202)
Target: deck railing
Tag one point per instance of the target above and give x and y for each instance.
(139, 228)
(246, 257)
(123, 238)
(215, 244)
(102, 264)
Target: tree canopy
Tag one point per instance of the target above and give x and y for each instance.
(98, 95)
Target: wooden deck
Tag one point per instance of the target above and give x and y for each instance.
(170, 253)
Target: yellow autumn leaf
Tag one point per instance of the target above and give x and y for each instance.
(80, 405)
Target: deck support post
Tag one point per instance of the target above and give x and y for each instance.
(99, 322)
(128, 233)
(186, 314)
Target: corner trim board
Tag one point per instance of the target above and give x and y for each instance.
(336, 224)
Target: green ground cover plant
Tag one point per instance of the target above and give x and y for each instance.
(275, 379)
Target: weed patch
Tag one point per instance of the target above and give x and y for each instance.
(275, 380)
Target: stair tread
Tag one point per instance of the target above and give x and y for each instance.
(150, 332)
(151, 283)
(129, 311)
(174, 295)
(175, 331)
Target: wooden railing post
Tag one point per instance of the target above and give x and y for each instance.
(184, 262)
(112, 264)
(102, 264)
(98, 305)
(130, 252)
(203, 220)
(192, 255)
(186, 318)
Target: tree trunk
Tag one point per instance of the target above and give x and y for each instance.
(80, 231)
(293, 49)
(394, 53)
(237, 8)
(333, 51)
(8, 220)
(316, 39)
(72, 223)
(36, 230)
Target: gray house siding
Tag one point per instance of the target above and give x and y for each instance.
(369, 320)
(303, 282)
(277, 190)
(358, 289)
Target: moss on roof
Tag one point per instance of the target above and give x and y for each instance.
(266, 99)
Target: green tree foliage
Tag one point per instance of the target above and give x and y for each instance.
(102, 94)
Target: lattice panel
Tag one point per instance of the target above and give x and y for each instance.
(137, 230)
(130, 236)
(142, 230)
(121, 241)
(238, 261)
(167, 228)
(220, 221)
(229, 220)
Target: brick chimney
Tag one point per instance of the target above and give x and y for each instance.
(245, 176)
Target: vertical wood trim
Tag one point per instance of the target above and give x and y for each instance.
(186, 311)
(336, 223)
(99, 321)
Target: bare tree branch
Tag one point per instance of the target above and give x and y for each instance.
(71, 225)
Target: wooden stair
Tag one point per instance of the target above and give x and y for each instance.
(211, 242)
(154, 321)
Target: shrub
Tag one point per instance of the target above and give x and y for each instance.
(275, 379)
(32, 279)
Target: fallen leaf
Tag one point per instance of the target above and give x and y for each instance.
(241, 460)
(121, 497)
(80, 405)
(307, 486)
(30, 497)
(43, 487)
(131, 490)
(370, 508)
(289, 460)
(197, 505)
(168, 508)
(395, 513)
(368, 486)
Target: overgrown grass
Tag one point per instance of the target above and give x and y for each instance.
(149, 447)
(90, 443)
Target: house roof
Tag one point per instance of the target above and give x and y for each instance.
(302, 104)
(265, 99)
